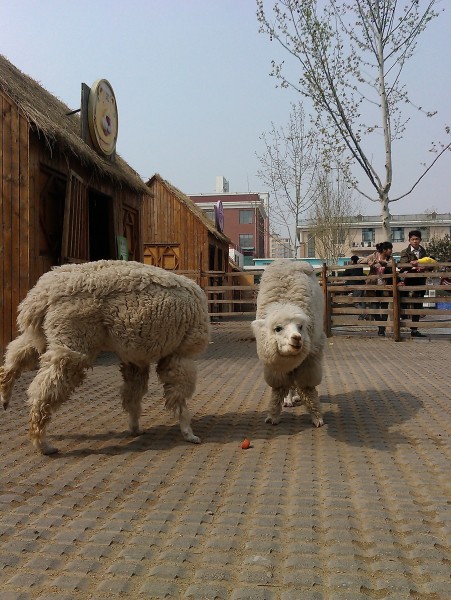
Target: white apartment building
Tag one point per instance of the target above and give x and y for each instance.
(362, 233)
(280, 247)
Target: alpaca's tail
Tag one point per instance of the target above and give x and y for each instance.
(22, 354)
(34, 306)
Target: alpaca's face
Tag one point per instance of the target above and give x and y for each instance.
(289, 335)
(283, 333)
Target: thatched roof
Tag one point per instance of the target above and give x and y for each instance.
(48, 117)
(184, 199)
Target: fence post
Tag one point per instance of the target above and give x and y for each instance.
(327, 315)
(396, 306)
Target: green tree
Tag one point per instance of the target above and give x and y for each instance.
(351, 57)
(440, 248)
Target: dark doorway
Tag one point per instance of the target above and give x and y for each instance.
(52, 195)
(101, 230)
(211, 258)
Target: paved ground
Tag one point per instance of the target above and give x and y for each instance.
(356, 509)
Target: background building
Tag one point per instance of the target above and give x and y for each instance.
(280, 247)
(178, 236)
(245, 218)
(364, 232)
(61, 200)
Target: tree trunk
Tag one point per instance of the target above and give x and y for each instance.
(385, 216)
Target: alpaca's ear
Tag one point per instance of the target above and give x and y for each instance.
(257, 324)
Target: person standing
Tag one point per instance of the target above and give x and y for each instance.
(408, 263)
(379, 263)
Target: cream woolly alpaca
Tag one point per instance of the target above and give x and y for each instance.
(289, 335)
(144, 314)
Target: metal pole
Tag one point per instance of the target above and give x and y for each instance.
(396, 307)
(327, 316)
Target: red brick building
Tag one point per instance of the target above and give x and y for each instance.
(245, 220)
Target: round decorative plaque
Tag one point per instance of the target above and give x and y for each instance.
(103, 117)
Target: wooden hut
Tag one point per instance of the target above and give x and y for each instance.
(61, 200)
(178, 236)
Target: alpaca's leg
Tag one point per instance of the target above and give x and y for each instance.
(178, 376)
(61, 371)
(275, 408)
(132, 391)
(291, 398)
(21, 355)
(288, 399)
(310, 398)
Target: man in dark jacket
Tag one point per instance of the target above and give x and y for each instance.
(408, 263)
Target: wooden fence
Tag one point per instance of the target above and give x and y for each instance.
(234, 295)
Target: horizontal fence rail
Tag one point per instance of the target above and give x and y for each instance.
(349, 302)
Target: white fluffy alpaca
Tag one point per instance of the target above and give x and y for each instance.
(289, 335)
(144, 314)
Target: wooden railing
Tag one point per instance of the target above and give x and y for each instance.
(397, 303)
(234, 294)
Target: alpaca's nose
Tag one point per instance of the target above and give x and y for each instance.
(296, 336)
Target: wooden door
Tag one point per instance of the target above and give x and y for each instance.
(130, 224)
(166, 256)
(75, 244)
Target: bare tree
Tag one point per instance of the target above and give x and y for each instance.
(288, 167)
(351, 57)
(329, 216)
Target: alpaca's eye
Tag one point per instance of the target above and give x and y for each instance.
(278, 328)
(300, 328)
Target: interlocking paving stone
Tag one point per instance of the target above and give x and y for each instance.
(358, 509)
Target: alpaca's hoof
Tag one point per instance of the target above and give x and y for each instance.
(272, 420)
(47, 450)
(50, 450)
(136, 431)
(318, 421)
(190, 437)
(42, 446)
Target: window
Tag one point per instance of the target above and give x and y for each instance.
(246, 217)
(246, 240)
(368, 234)
(311, 247)
(397, 234)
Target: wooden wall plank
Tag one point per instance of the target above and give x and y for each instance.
(8, 317)
(15, 218)
(2, 229)
(24, 209)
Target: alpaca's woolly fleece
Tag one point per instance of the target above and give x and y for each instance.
(289, 288)
(142, 313)
(139, 311)
(289, 335)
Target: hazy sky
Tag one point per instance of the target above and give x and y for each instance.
(192, 84)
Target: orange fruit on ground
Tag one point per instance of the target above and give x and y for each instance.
(245, 444)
